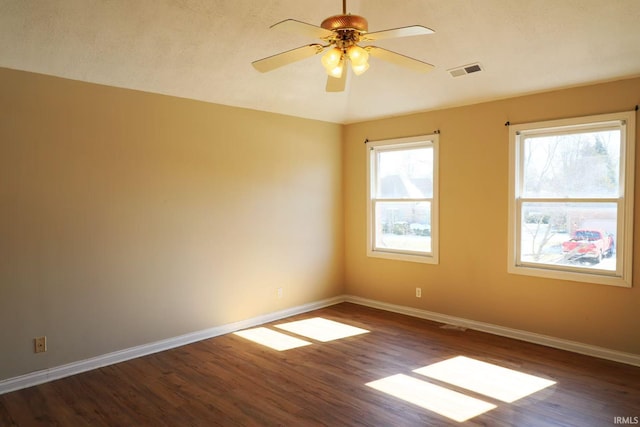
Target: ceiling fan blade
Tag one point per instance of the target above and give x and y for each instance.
(399, 59)
(302, 28)
(285, 58)
(337, 84)
(413, 30)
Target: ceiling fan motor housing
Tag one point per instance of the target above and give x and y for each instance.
(347, 29)
(346, 22)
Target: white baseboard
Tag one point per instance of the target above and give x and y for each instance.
(559, 343)
(46, 375)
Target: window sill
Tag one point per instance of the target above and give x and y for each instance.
(399, 256)
(600, 279)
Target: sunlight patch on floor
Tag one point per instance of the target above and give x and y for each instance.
(485, 378)
(321, 329)
(493, 381)
(316, 328)
(273, 339)
(443, 401)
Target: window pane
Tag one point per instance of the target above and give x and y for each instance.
(569, 234)
(404, 226)
(405, 173)
(572, 165)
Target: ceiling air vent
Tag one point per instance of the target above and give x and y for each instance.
(465, 69)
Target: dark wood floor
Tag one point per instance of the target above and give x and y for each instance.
(230, 381)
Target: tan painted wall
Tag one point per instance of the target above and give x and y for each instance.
(128, 217)
(471, 280)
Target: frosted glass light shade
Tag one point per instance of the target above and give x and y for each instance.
(332, 58)
(359, 69)
(337, 70)
(357, 55)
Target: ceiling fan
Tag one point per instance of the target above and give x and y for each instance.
(342, 35)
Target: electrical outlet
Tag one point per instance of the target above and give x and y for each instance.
(279, 293)
(418, 292)
(40, 344)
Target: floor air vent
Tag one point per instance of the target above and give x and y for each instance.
(465, 69)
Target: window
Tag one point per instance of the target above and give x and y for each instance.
(403, 203)
(571, 199)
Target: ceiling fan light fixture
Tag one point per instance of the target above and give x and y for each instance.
(333, 62)
(337, 70)
(332, 58)
(359, 69)
(341, 35)
(357, 55)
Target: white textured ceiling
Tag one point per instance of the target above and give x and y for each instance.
(202, 49)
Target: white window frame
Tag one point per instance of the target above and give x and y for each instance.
(398, 144)
(624, 245)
